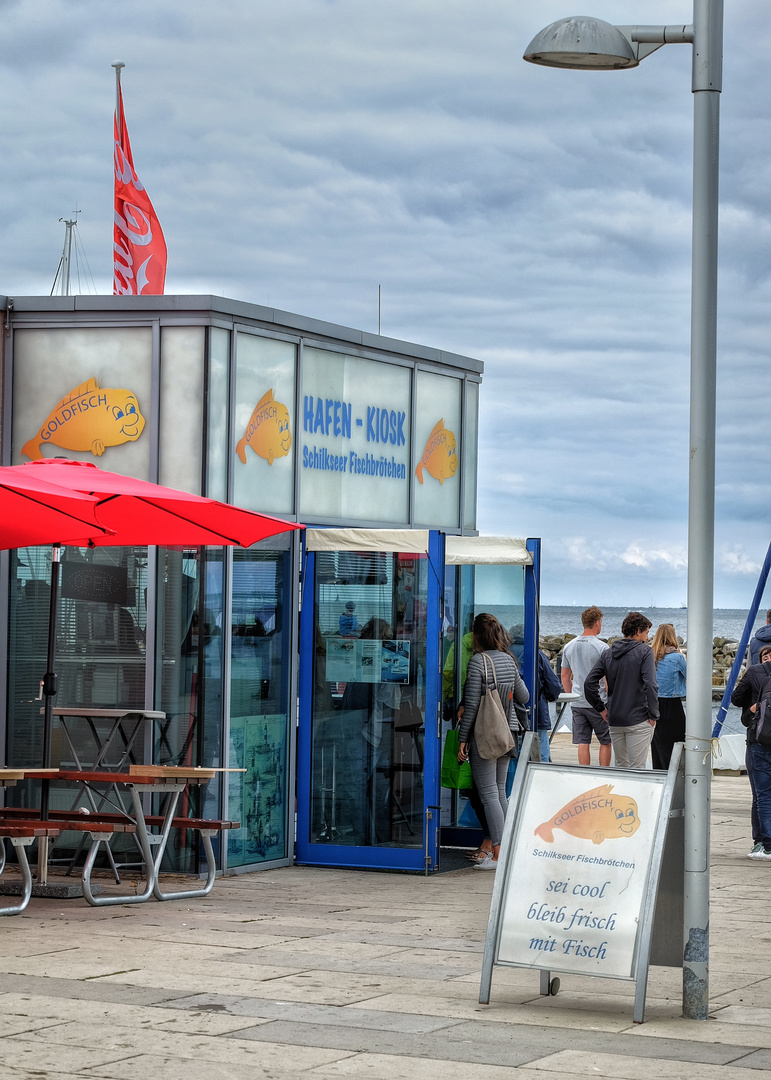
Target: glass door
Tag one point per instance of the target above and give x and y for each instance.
(509, 591)
(368, 747)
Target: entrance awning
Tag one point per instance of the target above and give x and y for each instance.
(478, 550)
(475, 550)
(407, 540)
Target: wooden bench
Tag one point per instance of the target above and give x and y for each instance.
(22, 834)
(100, 832)
(99, 821)
(205, 827)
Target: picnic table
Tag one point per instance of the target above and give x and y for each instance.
(113, 733)
(152, 831)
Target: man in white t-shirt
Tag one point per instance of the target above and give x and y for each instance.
(578, 658)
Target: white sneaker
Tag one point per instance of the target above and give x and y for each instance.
(492, 864)
(763, 854)
(755, 851)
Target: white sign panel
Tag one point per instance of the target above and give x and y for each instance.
(367, 661)
(577, 870)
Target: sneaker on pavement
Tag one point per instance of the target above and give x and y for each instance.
(755, 851)
(765, 855)
(492, 864)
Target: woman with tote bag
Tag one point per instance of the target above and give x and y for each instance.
(492, 680)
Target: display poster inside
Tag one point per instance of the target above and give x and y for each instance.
(257, 797)
(368, 661)
(577, 870)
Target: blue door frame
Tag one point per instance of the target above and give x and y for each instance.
(418, 858)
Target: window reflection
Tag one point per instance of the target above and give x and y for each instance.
(100, 640)
(369, 699)
(259, 706)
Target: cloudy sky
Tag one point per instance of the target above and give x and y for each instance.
(300, 153)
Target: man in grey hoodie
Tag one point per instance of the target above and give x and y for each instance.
(629, 670)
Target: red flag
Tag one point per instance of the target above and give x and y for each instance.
(139, 246)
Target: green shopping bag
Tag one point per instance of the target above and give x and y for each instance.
(455, 774)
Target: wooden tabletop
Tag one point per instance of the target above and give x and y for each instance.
(10, 776)
(139, 774)
(106, 714)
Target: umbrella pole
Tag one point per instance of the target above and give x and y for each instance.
(50, 681)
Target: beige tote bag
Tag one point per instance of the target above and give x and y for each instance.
(491, 727)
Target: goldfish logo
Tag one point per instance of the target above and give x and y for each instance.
(596, 815)
(90, 418)
(268, 431)
(439, 458)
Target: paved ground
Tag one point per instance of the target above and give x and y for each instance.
(315, 973)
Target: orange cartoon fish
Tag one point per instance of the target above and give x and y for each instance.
(90, 418)
(596, 815)
(268, 431)
(439, 457)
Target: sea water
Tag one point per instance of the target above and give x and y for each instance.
(726, 623)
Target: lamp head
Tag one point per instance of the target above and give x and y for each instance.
(582, 43)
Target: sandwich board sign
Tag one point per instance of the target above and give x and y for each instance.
(578, 874)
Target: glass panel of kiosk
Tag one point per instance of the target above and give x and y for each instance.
(368, 736)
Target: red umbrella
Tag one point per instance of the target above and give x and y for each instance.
(34, 511)
(137, 512)
(118, 510)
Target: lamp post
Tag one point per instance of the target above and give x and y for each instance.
(591, 44)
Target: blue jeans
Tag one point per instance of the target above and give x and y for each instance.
(543, 742)
(760, 759)
(756, 834)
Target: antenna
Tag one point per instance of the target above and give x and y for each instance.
(63, 278)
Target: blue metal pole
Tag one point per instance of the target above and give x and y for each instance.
(742, 650)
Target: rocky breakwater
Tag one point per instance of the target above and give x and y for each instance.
(723, 656)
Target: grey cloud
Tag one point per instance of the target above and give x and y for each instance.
(302, 153)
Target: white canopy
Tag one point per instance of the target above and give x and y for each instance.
(495, 550)
(475, 550)
(408, 540)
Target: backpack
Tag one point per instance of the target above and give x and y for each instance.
(762, 726)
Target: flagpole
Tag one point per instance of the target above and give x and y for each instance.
(117, 65)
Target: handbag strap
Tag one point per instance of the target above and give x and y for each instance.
(486, 660)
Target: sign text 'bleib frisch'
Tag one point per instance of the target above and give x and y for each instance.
(581, 868)
(90, 418)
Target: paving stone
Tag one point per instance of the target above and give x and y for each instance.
(713, 1031)
(299, 1013)
(760, 1059)
(142, 1066)
(391, 1067)
(744, 1014)
(85, 991)
(578, 1063)
(43, 1056)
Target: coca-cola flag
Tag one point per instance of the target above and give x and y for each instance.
(139, 246)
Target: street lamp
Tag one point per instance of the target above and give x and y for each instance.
(591, 44)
